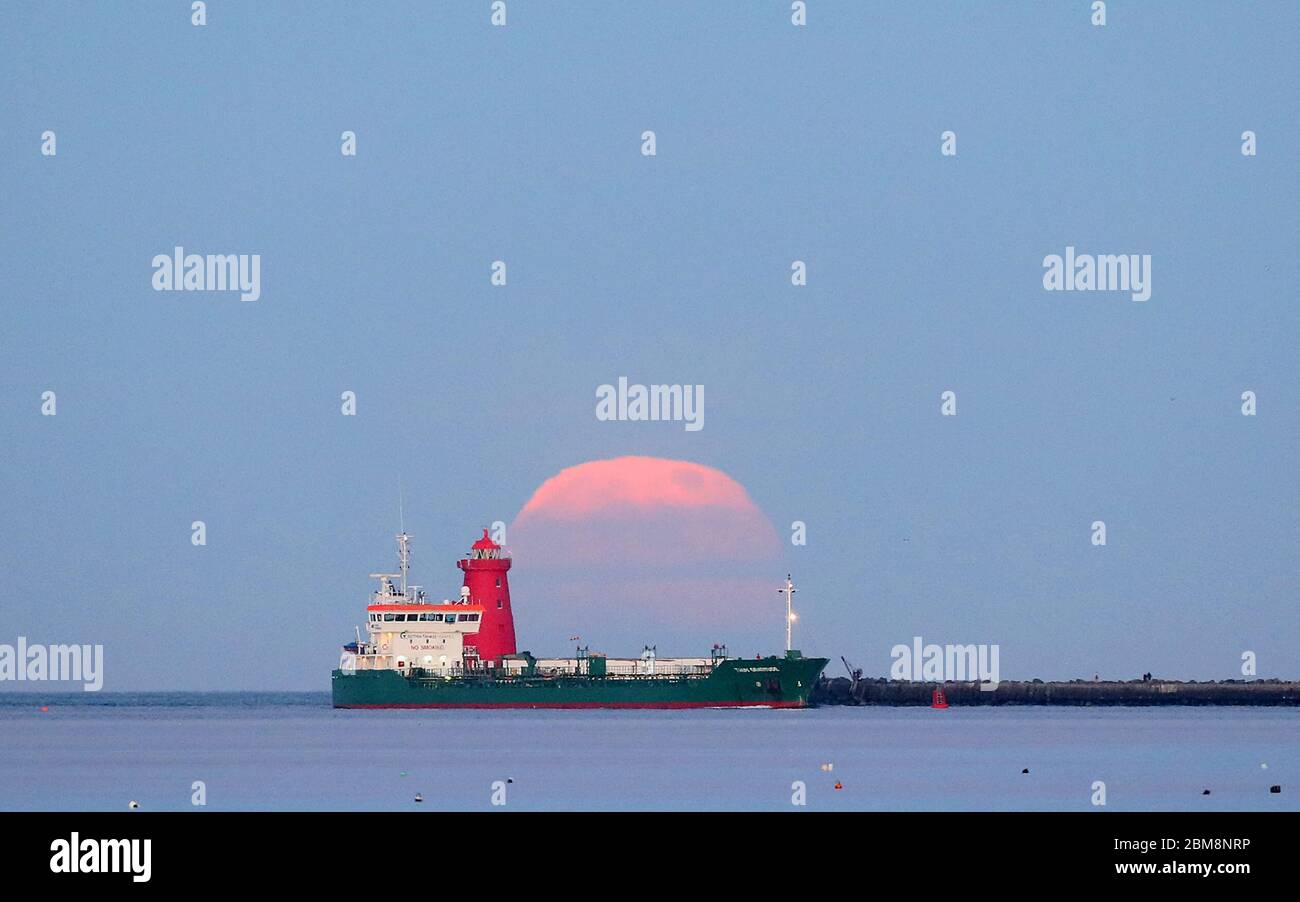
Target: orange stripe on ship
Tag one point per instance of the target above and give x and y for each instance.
(418, 608)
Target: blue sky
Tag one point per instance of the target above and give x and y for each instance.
(775, 143)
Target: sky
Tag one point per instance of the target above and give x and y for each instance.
(773, 143)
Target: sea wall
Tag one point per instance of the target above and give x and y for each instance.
(842, 691)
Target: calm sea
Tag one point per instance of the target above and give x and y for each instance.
(292, 751)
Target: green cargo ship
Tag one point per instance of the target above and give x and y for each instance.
(731, 683)
(462, 654)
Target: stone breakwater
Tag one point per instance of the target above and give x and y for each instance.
(842, 691)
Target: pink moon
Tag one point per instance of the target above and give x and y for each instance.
(636, 548)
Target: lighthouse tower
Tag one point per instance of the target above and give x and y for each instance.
(487, 585)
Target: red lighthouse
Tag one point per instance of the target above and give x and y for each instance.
(486, 585)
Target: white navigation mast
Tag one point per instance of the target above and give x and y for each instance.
(387, 592)
(403, 540)
(403, 556)
(788, 591)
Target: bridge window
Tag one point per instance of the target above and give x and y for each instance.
(390, 617)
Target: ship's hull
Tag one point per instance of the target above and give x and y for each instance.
(754, 683)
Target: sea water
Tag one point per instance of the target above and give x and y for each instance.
(274, 751)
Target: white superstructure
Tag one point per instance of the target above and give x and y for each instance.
(404, 631)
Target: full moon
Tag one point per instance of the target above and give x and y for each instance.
(637, 549)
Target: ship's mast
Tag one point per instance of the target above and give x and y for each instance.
(403, 557)
(788, 591)
(403, 540)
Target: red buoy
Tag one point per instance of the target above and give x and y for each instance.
(939, 700)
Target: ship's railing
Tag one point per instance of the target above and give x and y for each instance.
(632, 666)
(493, 676)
